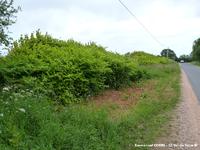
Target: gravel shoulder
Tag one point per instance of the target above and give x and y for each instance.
(183, 131)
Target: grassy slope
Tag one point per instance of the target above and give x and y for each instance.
(28, 121)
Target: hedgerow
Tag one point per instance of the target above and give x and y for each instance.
(143, 58)
(65, 71)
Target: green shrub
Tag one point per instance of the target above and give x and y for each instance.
(65, 71)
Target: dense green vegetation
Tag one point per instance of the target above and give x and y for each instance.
(31, 121)
(40, 75)
(65, 71)
(143, 58)
(196, 50)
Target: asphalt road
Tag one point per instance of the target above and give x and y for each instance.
(193, 73)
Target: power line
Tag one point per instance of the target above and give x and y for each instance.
(144, 27)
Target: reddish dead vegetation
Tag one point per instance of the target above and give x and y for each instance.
(124, 98)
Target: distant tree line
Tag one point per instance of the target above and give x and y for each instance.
(185, 58)
(172, 55)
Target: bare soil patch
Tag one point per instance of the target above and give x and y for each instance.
(123, 98)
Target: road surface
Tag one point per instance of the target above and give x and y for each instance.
(193, 74)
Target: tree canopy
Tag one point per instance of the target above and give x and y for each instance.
(7, 18)
(169, 53)
(185, 58)
(196, 50)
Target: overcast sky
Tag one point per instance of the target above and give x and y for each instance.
(175, 23)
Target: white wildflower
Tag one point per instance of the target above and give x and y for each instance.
(5, 89)
(1, 114)
(22, 110)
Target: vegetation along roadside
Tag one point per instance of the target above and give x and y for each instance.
(67, 95)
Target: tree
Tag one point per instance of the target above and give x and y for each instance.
(169, 54)
(196, 50)
(7, 18)
(185, 58)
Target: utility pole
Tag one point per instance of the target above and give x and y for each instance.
(168, 52)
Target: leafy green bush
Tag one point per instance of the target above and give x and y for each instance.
(65, 71)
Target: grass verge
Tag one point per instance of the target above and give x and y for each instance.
(33, 122)
(195, 63)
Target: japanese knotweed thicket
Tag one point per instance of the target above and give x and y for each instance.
(65, 71)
